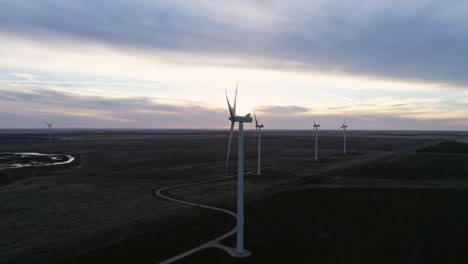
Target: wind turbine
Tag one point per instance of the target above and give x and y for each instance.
(316, 126)
(240, 172)
(259, 128)
(344, 126)
(50, 129)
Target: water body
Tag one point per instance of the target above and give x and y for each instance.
(32, 159)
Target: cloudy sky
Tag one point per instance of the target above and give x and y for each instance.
(166, 63)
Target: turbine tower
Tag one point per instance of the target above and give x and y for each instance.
(344, 126)
(259, 128)
(49, 124)
(316, 126)
(239, 251)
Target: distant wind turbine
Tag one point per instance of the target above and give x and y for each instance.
(259, 128)
(49, 124)
(344, 126)
(316, 126)
(240, 172)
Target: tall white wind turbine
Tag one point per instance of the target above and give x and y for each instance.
(49, 124)
(259, 128)
(240, 172)
(344, 126)
(316, 126)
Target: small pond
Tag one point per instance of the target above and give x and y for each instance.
(31, 159)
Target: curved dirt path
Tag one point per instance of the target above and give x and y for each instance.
(211, 243)
(215, 243)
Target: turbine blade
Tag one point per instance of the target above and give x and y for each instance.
(235, 98)
(231, 110)
(256, 121)
(228, 151)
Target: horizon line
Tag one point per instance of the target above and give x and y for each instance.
(223, 129)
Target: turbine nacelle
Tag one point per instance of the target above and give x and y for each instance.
(257, 121)
(315, 124)
(232, 111)
(344, 123)
(244, 119)
(344, 126)
(258, 128)
(49, 123)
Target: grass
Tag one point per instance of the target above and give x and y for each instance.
(116, 173)
(448, 147)
(353, 226)
(444, 161)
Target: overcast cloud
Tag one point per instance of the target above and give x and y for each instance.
(30, 106)
(155, 64)
(416, 40)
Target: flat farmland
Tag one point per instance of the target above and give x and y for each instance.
(102, 206)
(353, 225)
(447, 160)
